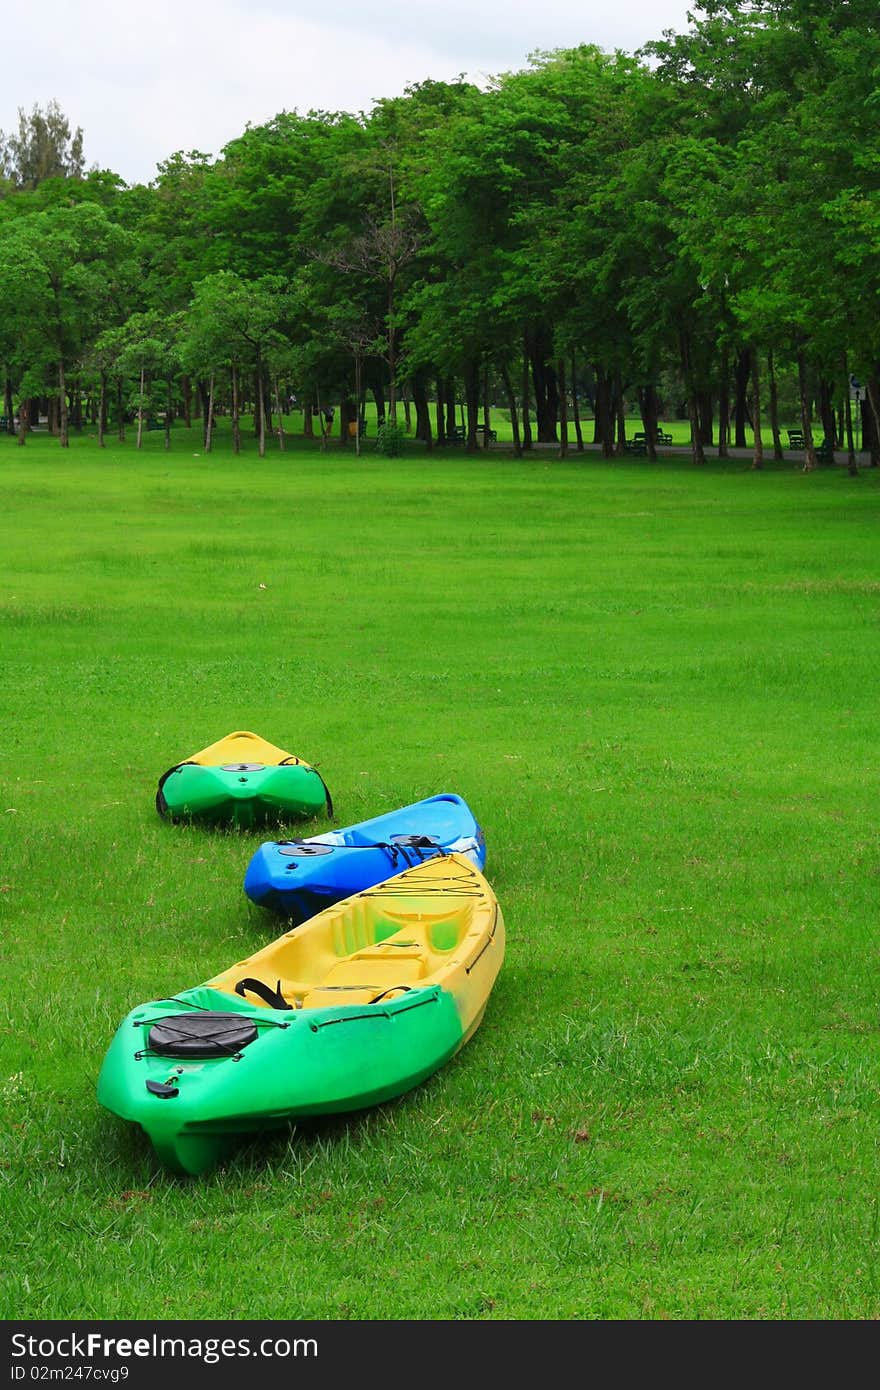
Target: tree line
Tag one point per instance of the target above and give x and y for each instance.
(697, 224)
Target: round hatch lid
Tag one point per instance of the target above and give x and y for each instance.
(242, 767)
(203, 1034)
(295, 849)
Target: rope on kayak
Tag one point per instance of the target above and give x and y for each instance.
(422, 998)
(487, 943)
(191, 1004)
(196, 1035)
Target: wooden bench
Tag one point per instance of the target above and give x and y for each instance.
(492, 435)
(639, 442)
(455, 435)
(824, 451)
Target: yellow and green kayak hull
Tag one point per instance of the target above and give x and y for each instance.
(354, 1007)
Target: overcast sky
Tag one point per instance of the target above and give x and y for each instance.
(144, 81)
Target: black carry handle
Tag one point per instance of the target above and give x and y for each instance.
(273, 997)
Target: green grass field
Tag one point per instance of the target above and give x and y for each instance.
(656, 688)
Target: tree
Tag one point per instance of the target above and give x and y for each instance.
(66, 257)
(42, 148)
(236, 323)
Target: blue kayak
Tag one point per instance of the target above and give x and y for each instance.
(299, 878)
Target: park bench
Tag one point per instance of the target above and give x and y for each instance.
(492, 435)
(639, 442)
(455, 434)
(825, 451)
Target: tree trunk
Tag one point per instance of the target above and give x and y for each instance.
(451, 421)
(440, 412)
(120, 408)
(392, 355)
(575, 407)
(697, 453)
(704, 414)
(758, 453)
(209, 417)
(486, 411)
(741, 408)
(261, 410)
(64, 439)
(724, 407)
(347, 420)
(873, 394)
(280, 414)
(563, 408)
(268, 426)
(8, 409)
(511, 404)
(186, 390)
(806, 414)
(773, 405)
(23, 417)
(322, 423)
(526, 420)
(236, 410)
(619, 414)
(472, 402)
(169, 411)
(545, 387)
(140, 428)
(648, 410)
(852, 466)
(379, 398)
(423, 413)
(102, 410)
(359, 402)
(603, 432)
(826, 414)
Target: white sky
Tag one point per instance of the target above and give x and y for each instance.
(146, 81)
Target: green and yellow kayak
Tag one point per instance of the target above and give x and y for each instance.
(353, 1007)
(243, 781)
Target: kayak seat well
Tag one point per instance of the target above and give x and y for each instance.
(360, 979)
(382, 953)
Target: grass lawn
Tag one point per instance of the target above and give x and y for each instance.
(655, 687)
